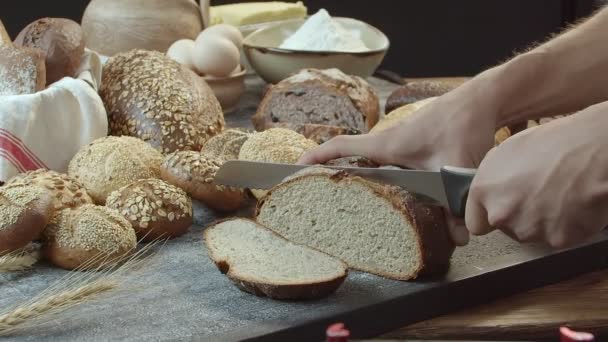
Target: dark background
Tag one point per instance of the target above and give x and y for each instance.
(428, 37)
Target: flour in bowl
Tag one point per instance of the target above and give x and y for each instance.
(321, 33)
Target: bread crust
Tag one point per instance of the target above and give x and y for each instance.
(149, 96)
(429, 222)
(318, 133)
(274, 291)
(5, 39)
(23, 70)
(416, 91)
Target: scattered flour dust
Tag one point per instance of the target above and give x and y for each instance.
(321, 33)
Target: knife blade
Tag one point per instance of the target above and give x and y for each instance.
(447, 187)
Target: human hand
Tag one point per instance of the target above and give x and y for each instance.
(546, 184)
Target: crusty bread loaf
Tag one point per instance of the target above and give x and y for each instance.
(194, 173)
(5, 39)
(24, 213)
(261, 262)
(318, 133)
(22, 71)
(226, 145)
(275, 145)
(66, 191)
(109, 163)
(155, 209)
(320, 97)
(150, 96)
(88, 237)
(62, 42)
(380, 229)
(416, 91)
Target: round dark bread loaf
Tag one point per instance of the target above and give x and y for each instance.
(416, 91)
(319, 97)
(24, 213)
(154, 208)
(151, 97)
(61, 40)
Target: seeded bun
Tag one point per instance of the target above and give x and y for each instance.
(226, 145)
(275, 145)
(150, 96)
(109, 163)
(66, 191)
(24, 213)
(155, 209)
(88, 237)
(194, 173)
(62, 42)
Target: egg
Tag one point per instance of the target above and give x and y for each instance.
(182, 52)
(224, 30)
(215, 56)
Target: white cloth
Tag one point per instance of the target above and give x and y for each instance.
(46, 129)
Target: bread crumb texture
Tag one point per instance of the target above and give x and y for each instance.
(91, 228)
(150, 96)
(278, 145)
(109, 163)
(151, 200)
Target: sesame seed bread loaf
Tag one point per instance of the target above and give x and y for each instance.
(275, 145)
(24, 213)
(150, 96)
(88, 237)
(375, 228)
(226, 145)
(194, 173)
(66, 191)
(261, 262)
(154, 208)
(5, 39)
(109, 163)
(326, 97)
(22, 71)
(62, 42)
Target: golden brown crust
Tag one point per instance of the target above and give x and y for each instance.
(194, 173)
(226, 145)
(24, 213)
(318, 133)
(155, 209)
(5, 39)
(279, 292)
(149, 96)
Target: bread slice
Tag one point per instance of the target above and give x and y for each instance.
(380, 229)
(261, 262)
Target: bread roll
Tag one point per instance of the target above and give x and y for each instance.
(149, 96)
(319, 133)
(194, 173)
(226, 145)
(22, 71)
(88, 237)
(154, 208)
(109, 163)
(5, 39)
(319, 97)
(24, 213)
(417, 91)
(276, 145)
(62, 42)
(66, 191)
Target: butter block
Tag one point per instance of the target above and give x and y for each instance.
(250, 13)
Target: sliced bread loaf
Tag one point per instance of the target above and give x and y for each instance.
(374, 228)
(261, 262)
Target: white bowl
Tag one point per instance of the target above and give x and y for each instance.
(274, 64)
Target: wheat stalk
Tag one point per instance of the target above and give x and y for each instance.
(20, 260)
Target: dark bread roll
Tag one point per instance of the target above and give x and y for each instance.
(194, 173)
(22, 70)
(24, 213)
(88, 237)
(154, 208)
(151, 97)
(62, 42)
(319, 97)
(416, 91)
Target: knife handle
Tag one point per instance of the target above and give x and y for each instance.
(456, 181)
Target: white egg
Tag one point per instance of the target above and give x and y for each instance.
(224, 30)
(215, 56)
(182, 52)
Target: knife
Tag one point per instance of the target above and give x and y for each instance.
(448, 187)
